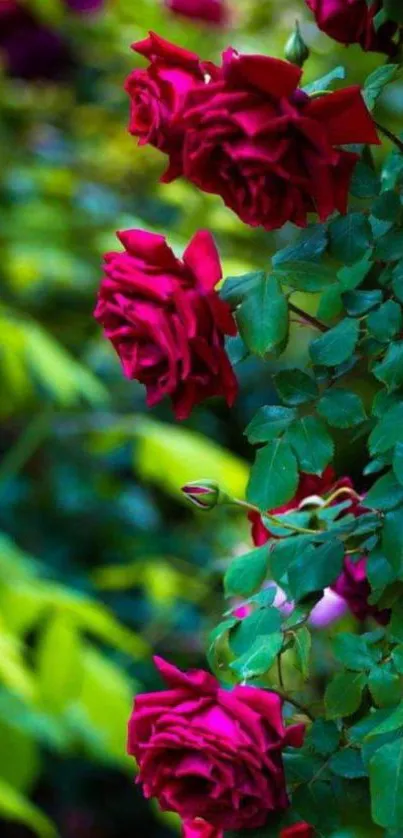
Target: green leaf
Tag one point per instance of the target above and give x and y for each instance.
(386, 784)
(302, 648)
(348, 763)
(397, 657)
(263, 622)
(392, 540)
(312, 444)
(365, 181)
(236, 288)
(341, 408)
(263, 316)
(357, 303)
(325, 81)
(274, 476)
(295, 387)
(15, 807)
(388, 431)
(390, 247)
(310, 244)
(269, 422)
(284, 553)
(260, 656)
(386, 493)
(343, 694)
(316, 804)
(330, 304)
(354, 651)
(246, 573)
(353, 275)
(390, 370)
(396, 623)
(392, 722)
(393, 10)
(324, 736)
(59, 662)
(305, 276)
(386, 321)
(311, 573)
(384, 686)
(387, 207)
(350, 237)
(377, 80)
(336, 345)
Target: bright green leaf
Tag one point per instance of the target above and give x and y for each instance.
(311, 443)
(269, 422)
(246, 573)
(274, 476)
(263, 316)
(337, 345)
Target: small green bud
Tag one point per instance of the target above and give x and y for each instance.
(205, 494)
(296, 49)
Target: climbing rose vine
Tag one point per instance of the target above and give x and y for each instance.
(258, 746)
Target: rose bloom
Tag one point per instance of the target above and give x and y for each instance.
(165, 319)
(270, 151)
(157, 95)
(30, 49)
(84, 6)
(209, 753)
(201, 829)
(352, 585)
(207, 11)
(352, 22)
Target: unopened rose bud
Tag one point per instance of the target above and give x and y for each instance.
(296, 49)
(205, 494)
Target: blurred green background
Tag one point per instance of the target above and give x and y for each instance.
(101, 562)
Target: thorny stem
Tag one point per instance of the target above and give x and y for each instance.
(309, 318)
(392, 137)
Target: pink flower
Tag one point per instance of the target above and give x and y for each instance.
(353, 586)
(157, 95)
(209, 753)
(270, 151)
(208, 11)
(352, 22)
(165, 320)
(200, 829)
(329, 609)
(298, 830)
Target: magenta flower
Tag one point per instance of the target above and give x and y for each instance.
(213, 12)
(31, 50)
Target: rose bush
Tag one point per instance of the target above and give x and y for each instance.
(211, 754)
(165, 320)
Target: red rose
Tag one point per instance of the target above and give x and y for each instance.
(208, 11)
(298, 830)
(209, 753)
(157, 95)
(352, 22)
(353, 586)
(271, 152)
(200, 829)
(165, 320)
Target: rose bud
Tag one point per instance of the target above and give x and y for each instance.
(296, 49)
(205, 494)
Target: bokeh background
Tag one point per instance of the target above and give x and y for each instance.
(101, 561)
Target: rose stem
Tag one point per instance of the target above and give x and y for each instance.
(308, 317)
(392, 137)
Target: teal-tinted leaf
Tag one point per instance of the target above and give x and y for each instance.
(236, 349)
(285, 552)
(263, 316)
(392, 540)
(353, 275)
(316, 804)
(246, 573)
(343, 694)
(386, 321)
(354, 651)
(269, 422)
(330, 304)
(235, 288)
(313, 572)
(386, 784)
(386, 493)
(384, 686)
(388, 431)
(260, 656)
(387, 207)
(390, 370)
(390, 247)
(336, 345)
(274, 476)
(397, 658)
(263, 622)
(341, 408)
(325, 81)
(377, 80)
(305, 276)
(350, 237)
(387, 724)
(397, 285)
(296, 387)
(348, 763)
(398, 462)
(365, 181)
(324, 736)
(396, 622)
(383, 401)
(311, 443)
(357, 303)
(302, 649)
(310, 244)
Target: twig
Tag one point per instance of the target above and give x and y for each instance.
(392, 137)
(309, 317)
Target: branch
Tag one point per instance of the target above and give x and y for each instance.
(313, 321)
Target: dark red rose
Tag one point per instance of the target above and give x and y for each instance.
(209, 753)
(30, 49)
(266, 148)
(165, 319)
(355, 589)
(207, 11)
(298, 830)
(200, 829)
(157, 95)
(352, 22)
